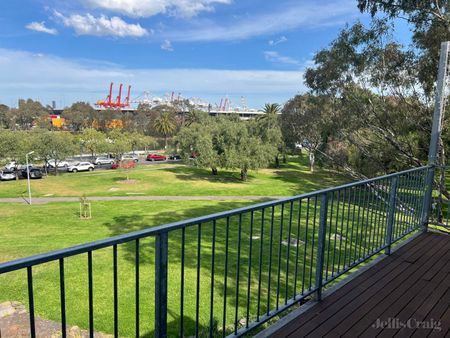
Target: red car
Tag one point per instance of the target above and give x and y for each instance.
(156, 157)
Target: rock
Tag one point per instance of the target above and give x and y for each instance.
(74, 332)
(6, 309)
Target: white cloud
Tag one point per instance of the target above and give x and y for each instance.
(48, 78)
(277, 42)
(101, 26)
(276, 57)
(147, 8)
(167, 45)
(40, 27)
(309, 15)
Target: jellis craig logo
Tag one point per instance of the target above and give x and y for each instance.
(397, 324)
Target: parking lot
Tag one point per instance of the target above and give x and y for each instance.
(76, 159)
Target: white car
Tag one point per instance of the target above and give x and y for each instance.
(103, 160)
(59, 164)
(11, 165)
(128, 157)
(7, 175)
(81, 166)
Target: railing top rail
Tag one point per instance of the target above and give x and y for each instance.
(128, 237)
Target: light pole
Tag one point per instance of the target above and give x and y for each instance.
(28, 177)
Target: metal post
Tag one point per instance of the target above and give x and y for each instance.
(391, 214)
(321, 244)
(28, 177)
(438, 115)
(161, 259)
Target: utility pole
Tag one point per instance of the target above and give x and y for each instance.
(438, 116)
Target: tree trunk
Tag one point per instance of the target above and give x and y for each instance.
(244, 174)
(312, 159)
(284, 158)
(214, 171)
(165, 142)
(277, 162)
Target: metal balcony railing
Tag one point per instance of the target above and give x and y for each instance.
(250, 264)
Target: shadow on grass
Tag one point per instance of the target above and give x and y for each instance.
(197, 174)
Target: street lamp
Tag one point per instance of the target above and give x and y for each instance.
(28, 177)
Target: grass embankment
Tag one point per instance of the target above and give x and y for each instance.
(292, 178)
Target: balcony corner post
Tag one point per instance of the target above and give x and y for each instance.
(321, 245)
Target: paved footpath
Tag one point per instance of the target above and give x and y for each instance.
(45, 200)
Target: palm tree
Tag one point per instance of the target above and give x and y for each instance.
(195, 116)
(270, 110)
(165, 124)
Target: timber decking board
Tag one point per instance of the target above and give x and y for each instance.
(411, 284)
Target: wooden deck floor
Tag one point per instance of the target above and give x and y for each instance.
(407, 293)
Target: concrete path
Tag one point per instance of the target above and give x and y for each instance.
(45, 200)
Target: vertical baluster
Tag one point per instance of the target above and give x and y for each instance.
(225, 282)
(137, 286)
(331, 212)
(116, 296)
(373, 204)
(161, 267)
(321, 244)
(91, 296)
(249, 275)
(363, 225)
(312, 242)
(62, 290)
(335, 231)
(261, 245)
(355, 192)
(288, 253)
(213, 256)
(183, 244)
(305, 245)
(238, 268)
(358, 223)
(341, 232)
(31, 301)
(391, 214)
(279, 255)
(197, 293)
(269, 280)
(344, 263)
(298, 246)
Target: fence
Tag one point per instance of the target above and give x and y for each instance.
(440, 203)
(227, 273)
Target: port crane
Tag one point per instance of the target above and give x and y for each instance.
(117, 104)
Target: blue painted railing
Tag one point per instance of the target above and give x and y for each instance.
(252, 263)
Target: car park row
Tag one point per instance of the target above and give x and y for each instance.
(13, 170)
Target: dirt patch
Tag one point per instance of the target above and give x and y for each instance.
(128, 181)
(14, 322)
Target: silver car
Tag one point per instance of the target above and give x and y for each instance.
(81, 166)
(7, 175)
(103, 160)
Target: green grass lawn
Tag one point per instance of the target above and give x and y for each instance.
(291, 179)
(28, 230)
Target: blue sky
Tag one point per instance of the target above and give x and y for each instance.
(69, 50)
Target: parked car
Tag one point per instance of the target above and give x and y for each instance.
(35, 173)
(174, 157)
(59, 164)
(156, 157)
(81, 166)
(132, 157)
(7, 175)
(103, 160)
(11, 165)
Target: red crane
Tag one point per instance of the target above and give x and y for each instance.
(108, 103)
